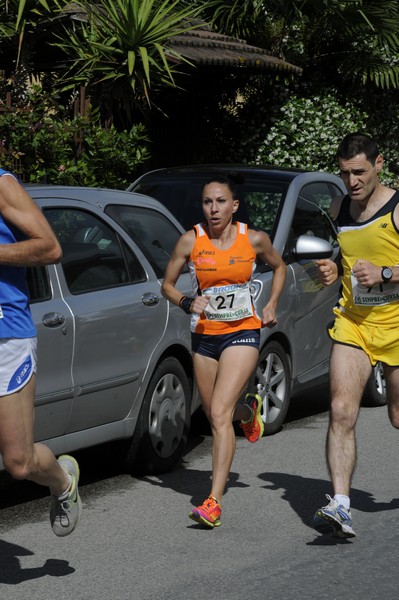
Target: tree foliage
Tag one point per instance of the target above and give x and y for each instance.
(42, 143)
(307, 132)
(121, 47)
(117, 48)
(335, 41)
(21, 22)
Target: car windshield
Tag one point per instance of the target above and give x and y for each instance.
(260, 199)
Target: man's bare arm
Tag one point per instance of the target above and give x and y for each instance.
(17, 208)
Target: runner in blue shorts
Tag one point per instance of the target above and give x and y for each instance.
(26, 239)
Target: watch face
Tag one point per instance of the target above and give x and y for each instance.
(386, 273)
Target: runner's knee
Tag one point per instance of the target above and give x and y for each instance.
(219, 418)
(19, 467)
(343, 413)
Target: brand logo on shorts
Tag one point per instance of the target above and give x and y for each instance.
(23, 372)
(20, 375)
(244, 341)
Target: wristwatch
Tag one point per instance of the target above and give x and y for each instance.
(386, 274)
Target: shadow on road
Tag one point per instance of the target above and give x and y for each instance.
(305, 495)
(12, 573)
(105, 462)
(192, 482)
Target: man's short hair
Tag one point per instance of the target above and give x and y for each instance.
(358, 143)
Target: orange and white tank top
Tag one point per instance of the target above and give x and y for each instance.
(226, 277)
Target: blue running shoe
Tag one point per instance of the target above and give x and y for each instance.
(334, 517)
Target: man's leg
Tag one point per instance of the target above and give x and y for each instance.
(22, 458)
(349, 371)
(25, 460)
(392, 381)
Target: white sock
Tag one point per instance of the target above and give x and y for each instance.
(343, 500)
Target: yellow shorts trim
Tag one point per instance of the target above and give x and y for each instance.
(381, 344)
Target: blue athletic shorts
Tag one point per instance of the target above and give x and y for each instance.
(213, 345)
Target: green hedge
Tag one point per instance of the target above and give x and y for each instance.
(41, 144)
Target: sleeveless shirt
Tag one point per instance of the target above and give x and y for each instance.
(225, 276)
(375, 240)
(15, 317)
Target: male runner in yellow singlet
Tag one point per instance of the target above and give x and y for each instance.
(366, 326)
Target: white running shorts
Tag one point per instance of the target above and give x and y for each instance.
(17, 363)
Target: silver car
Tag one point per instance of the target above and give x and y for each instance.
(114, 360)
(292, 207)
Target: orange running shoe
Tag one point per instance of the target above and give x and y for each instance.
(254, 428)
(208, 513)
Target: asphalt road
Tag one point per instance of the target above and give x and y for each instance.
(135, 541)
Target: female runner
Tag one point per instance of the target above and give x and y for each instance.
(225, 329)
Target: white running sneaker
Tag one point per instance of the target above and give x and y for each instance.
(334, 517)
(66, 510)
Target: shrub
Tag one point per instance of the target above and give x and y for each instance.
(308, 133)
(310, 129)
(41, 144)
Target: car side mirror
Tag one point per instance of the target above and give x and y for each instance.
(311, 247)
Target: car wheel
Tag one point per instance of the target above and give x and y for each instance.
(272, 380)
(375, 392)
(163, 424)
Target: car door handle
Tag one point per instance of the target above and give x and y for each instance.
(150, 299)
(53, 319)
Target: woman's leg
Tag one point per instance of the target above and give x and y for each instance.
(220, 385)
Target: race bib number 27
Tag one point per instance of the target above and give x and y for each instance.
(228, 302)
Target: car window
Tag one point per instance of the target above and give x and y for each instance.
(38, 284)
(321, 193)
(262, 201)
(152, 231)
(93, 255)
(310, 219)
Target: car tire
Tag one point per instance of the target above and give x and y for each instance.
(272, 380)
(163, 424)
(375, 393)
